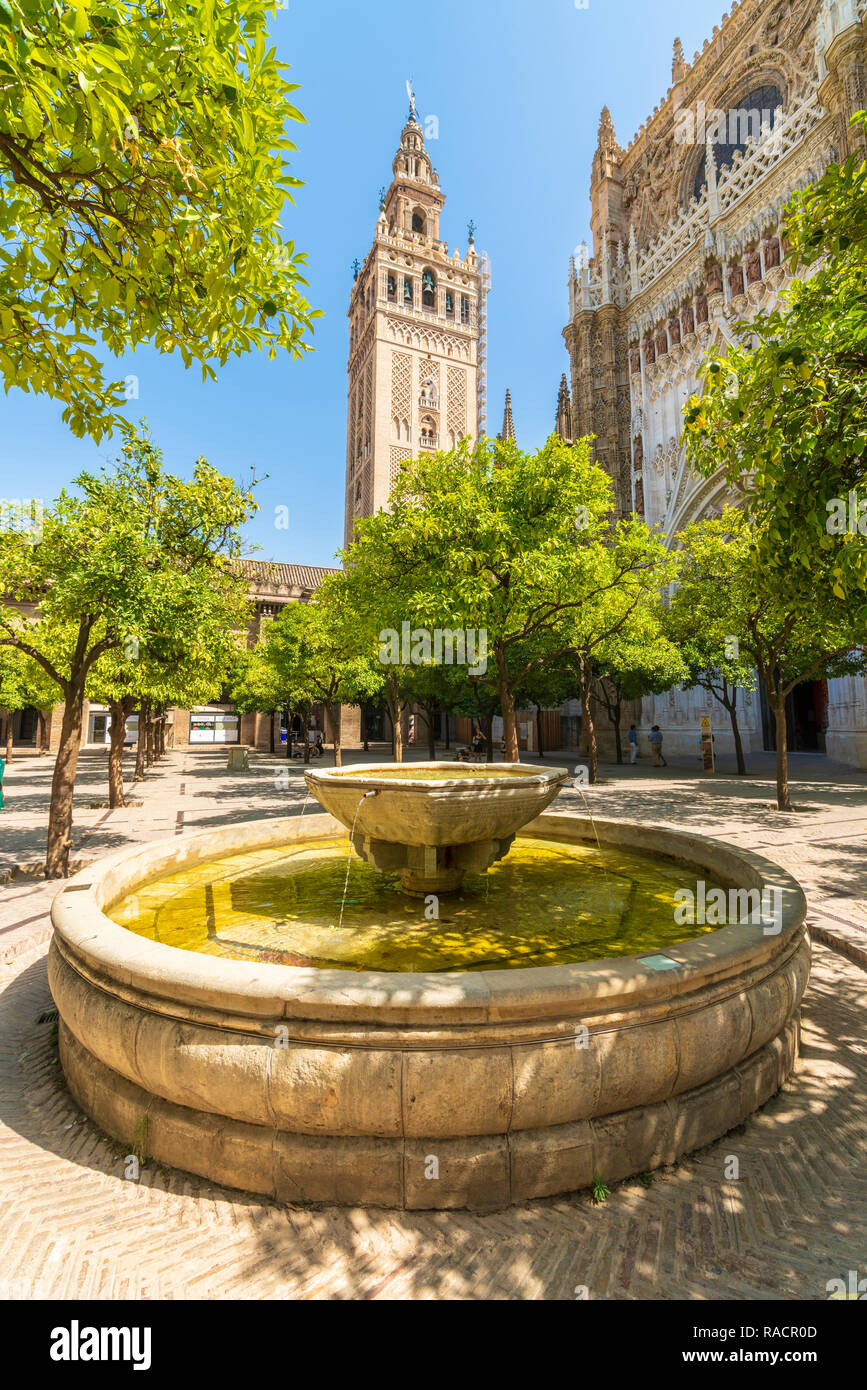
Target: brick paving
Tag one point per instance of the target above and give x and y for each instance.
(796, 1216)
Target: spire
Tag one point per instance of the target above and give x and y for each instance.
(410, 91)
(508, 430)
(563, 426)
(414, 201)
(678, 63)
(607, 139)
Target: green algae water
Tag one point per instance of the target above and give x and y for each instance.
(546, 903)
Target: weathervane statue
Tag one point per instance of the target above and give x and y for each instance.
(411, 94)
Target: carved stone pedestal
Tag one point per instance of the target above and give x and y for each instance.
(428, 869)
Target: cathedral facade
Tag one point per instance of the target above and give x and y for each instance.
(687, 240)
(416, 328)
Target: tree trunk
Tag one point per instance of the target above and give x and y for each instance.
(164, 719)
(9, 718)
(393, 705)
(140, 742)
(592, 751)
(488, 730)
(365, 742)
(335, 714)
(63, 786)
(41, 733)
(149, 739)
(539, 730)
(271, 741)
(731, 706)
(778, 705)
(117, 734)
(618, 741)
(588, 726)
(512, 753)
(582, 737)
(396, 732)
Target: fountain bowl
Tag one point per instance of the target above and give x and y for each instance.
(435, 827)
(318, 1085)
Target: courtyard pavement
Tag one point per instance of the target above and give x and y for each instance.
(72, 1227)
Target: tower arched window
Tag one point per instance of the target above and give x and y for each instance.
(753, 116)
(418, 222)
(429, 290)
(407, 291)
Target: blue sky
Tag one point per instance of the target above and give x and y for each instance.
(517, 87)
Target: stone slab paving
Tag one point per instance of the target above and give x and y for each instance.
(73, 1226)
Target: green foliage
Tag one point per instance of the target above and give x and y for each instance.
(137, 557)
(142, 177)
(641, 659)
(13, 682)
(788, 632)
(784, 411)
(520, 546)
(601, 1190)
(314, 649)
(725, 589)
(140, 1140)
(637, 660)
(255, 684)
(312, 652)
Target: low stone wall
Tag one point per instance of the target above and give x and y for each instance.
(470, 1088)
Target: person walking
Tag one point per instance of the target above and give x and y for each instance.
(656, 746)
(633, 743)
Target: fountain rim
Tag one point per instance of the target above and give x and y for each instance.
(525, 773)
(102, 950)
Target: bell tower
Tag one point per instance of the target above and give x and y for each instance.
(414, 325)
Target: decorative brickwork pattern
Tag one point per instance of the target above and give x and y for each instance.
(401, 386)
(399, 455)
(457, 402)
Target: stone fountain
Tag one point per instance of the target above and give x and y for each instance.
(440, 820)
(331, 1085)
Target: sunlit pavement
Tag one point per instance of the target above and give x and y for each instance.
(795, 1218)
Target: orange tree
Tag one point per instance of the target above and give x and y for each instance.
(137, 556)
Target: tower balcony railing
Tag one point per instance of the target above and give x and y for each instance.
(429, 441)
(429, 403)
(430, 315)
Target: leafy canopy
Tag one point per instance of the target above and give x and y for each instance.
(519, 545)
(142, 178)
(138, 556)
(787, 635)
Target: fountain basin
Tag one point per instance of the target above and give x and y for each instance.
(433, 822)
(413, 1090)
